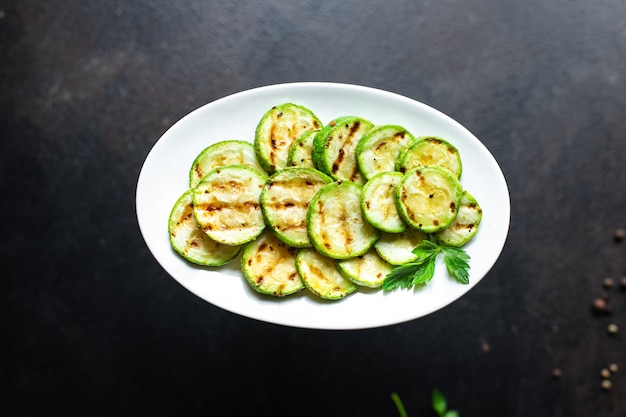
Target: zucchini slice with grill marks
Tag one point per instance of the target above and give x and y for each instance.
(190, 241)
(378, 202)
(397, 248)
(269, 266)
(227, 152)
(334, 148)
(277, 130)
(335, 222)
(227, 204)
(368, 270)
(321, 276)
(465, 225)
(428, 198)
(299, 154)
(379, 149)
(285, 199)
(431, 150)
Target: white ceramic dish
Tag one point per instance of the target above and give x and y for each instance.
(164, 177)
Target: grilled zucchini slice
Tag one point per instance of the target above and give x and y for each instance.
(227, 152)
(428, 198)
(285, 199)
(300, 151)
(334, 148)
(227, 204)
(277, 130)
(465, 225)
(269, 266)
(431, 150)
(379, 149)
(378, 202)
(368, 270)
(397, 248)
(335, 223)
(189, 241)
(321, 276)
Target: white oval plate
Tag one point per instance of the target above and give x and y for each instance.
(164, 177)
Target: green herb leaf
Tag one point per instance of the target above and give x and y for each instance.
(425, 273)
(398, 402)
(439, 402)
(422, 270)
(401, 276)
(456, 261)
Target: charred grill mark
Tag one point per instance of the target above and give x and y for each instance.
(198, 171)
(436, 222)
(452, 206)
(451, 150)
(338, 161)
(218, 206)
(381, 145)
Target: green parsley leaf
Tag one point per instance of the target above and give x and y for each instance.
(401, 276)
(456, 261)
(425, 273)
(398, 402)
(422, 270)
(439, 402)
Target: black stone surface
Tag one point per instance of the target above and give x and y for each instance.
(91, 325)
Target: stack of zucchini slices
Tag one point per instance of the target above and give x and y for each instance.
(328, 208)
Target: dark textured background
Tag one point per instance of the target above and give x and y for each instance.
(92, 326)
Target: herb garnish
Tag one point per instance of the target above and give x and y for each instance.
(422, 269)
(439, 402)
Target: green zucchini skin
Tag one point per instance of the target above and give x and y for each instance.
(223, 153)
(368, 270)
(335, 222)
(189, 241)
(378, 202)
(321, 277)
(428, 198)
(431, 150)
(269, 266)
(285, 199)
(334, 148)
(397, 248)
(278, 129)
(465, 225)
(227, 204)
(301, 151)
(379, 149)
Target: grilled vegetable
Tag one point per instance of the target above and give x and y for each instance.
(428, 198)
(430, 150)
(379, 149)
(269, 266)
(397, 248)
(228, 152)
(227, 206)
(335, 223)
(368, 270)
(334, 148)
(465, 225)
(278, 130)
(320, 275)
(285, 199)
(300, 151)
(378, 202)
(190, 241)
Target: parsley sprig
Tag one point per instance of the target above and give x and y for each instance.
(422, 270)
(439, 402)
